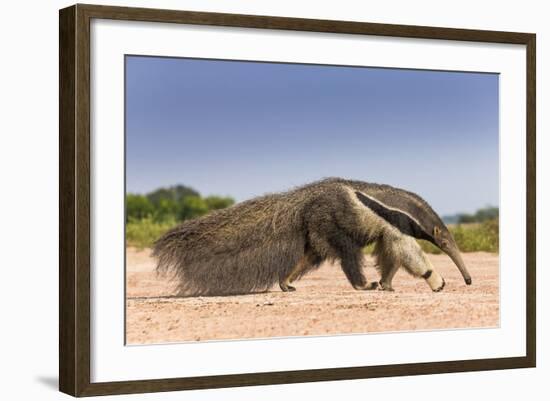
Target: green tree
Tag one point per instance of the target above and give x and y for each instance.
(488, 213)
(138, 207)
(191, 207)
(465, 218)
(167, 210)
(482, 215)
(218, 202)
(175, 193)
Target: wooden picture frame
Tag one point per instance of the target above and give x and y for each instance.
(74, 200)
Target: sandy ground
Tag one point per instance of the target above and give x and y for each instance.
(324, 303)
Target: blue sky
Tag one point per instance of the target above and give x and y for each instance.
(243, 129)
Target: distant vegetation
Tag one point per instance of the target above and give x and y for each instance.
(482, 215)
(149, 216)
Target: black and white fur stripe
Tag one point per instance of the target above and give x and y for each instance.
(401, 220)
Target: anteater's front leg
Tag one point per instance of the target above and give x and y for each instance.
(417, 263)
(387, 277)
(387, 261)
(351, 258)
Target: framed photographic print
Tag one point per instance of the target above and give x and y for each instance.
(251, 200)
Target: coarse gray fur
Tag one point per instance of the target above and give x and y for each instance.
(277, 238)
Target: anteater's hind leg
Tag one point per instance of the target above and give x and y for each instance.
(300, 267)
(308, 262)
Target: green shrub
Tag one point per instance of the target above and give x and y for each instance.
(151, 215)
(166, 210)
(175, 193)
(486, 214)
(217, 202)
(138, 207)
(191, 207)
(143, 233)
(477, 237)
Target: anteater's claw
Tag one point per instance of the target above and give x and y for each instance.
(383, 287)
(287, 288)
(440, 288)
(367, 287)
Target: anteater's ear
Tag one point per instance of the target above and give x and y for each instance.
(437, 232)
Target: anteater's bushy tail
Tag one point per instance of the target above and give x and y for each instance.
(242, 249)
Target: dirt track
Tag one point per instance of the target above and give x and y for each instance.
(324, 303)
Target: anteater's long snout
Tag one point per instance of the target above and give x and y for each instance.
(454, 254)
